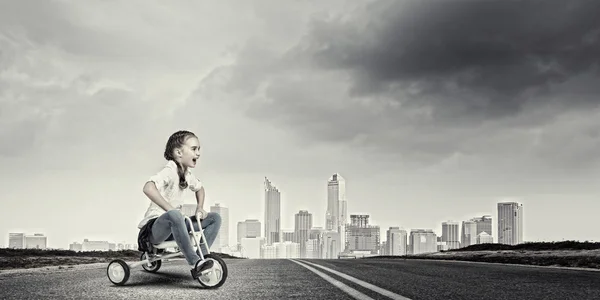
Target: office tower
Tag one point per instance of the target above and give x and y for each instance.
(75, 246)
(510, 223)
(423, 241)
(36, 241)
(312, 248)
(302, 226)
(469, 233)
(315, 232)
(222, 239)
(288, 235)
(16, 240)
(361, 236)
(336, 214)
(272, 213)
(450, 234)
(397, 241)
(383, 248)
(249, 228)
(329, 243)
(484, 224)
(359, 220)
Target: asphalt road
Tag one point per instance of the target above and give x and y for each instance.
(313, 279)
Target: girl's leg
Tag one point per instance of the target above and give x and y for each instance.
(211, 225)
(173, 222)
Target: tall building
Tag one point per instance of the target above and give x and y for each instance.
(36, 241)
(249, 228)
(484, 224)
(222, 239)
(288, 235)
(336, 216)
(451, 235)
(397, 241)
(302, 226)
(423, 241)
(510, 223)
(362, 237)
(272, 213)
(16, 240)
(329, 242)
(469, 233)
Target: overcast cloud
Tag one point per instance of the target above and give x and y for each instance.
(431, 110)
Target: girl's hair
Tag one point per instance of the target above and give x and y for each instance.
(177, 140)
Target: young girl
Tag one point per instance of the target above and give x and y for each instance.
(163, 220)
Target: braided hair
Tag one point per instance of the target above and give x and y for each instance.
(177, 140)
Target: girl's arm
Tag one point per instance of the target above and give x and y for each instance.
(200, 199)
(152, 192)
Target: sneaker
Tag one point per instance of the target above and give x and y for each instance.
(200, 268)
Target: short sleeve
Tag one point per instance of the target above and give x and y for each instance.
(193, 182)
(163, 177)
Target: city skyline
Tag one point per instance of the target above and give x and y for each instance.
(427, 122)
(336, 187)
(438, 229)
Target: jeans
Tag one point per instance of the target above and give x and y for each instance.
(172, 226)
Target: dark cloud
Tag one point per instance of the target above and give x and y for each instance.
(495, 50)
(425, 80)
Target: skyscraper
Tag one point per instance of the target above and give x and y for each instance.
(302, 226)
(510, 223)
(272, 213)
(250, 228)
(336, 216)
(469, 233)
(16, 240)
(484, 224)
(361, 236)
(397, 241)
(422, 241)
(450, 234)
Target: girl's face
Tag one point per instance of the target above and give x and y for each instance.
(189, 153)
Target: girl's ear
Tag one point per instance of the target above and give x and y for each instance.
(178, 152)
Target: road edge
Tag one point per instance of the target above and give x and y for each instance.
(53, 269)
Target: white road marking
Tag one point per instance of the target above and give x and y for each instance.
(350, 291)
(362, 283)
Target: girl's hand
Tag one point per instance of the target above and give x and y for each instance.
(201, 213)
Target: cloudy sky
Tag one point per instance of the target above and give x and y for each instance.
(431, 110)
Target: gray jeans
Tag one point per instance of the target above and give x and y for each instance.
(172, 226)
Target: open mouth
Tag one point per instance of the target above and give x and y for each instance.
(194, 160)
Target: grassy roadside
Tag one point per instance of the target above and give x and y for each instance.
(35, 258)
(560, 254)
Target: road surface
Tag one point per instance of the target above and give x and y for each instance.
(314, 279)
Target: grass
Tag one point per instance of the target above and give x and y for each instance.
(35, 258)
(561, 254)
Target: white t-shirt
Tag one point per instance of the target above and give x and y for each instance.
(167, 183)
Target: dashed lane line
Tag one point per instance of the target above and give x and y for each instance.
(350, 291)
(362, 283)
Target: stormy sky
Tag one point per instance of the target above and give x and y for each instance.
(431, 110)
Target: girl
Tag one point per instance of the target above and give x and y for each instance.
(163, 219)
